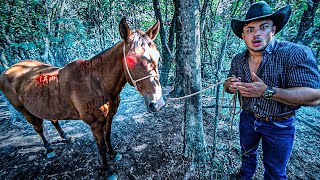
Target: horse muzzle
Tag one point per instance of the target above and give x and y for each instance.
(154, 104)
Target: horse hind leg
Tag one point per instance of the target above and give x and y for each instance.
(37, 124)
(61, 132)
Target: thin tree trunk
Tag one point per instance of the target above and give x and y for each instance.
(307, 23)
(195, 145)
(252, 1)
(62, 8)
(166, 56)
(178, 84)
(46, 51)
(217, 74)
(204, 8)
(3, 60)
(203, 14)
(6, 59)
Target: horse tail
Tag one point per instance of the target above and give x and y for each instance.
(4, 85)
(1, 80)
(3, 67)
(9, 98)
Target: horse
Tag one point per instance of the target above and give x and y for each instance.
(87, 89)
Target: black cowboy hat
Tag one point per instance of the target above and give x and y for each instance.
(261, 10)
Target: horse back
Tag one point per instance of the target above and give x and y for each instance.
(36, 86)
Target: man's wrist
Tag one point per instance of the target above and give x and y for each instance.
(269, 92)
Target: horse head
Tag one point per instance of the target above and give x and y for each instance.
(141, 63)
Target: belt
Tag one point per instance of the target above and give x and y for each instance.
(274, 118)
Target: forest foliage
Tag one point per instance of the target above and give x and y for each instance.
(59, 31)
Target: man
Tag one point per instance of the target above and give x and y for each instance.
(274, 79)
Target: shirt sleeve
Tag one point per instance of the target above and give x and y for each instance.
(303, 70)
(233, 68)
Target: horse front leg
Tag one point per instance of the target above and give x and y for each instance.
(114, 156)
(97, 131)
(108, 136)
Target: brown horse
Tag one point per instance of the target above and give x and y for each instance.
(87, 89)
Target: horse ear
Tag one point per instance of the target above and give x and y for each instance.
(153, 31)
(125, 31)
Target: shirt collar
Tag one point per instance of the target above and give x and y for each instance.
(271, 46)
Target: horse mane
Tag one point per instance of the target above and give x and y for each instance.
(106, 50)
(141, 39)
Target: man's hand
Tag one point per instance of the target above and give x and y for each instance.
(230, 86)
(295, 96)
(254, 89)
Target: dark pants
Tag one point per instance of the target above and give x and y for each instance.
(277, 141)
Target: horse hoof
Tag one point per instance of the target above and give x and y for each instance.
(113, 176)
(115, 158)
(51, 154)
(71, 140)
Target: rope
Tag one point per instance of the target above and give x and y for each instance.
(134, 82)
(193, 94)
(232, 103)
(232, 110)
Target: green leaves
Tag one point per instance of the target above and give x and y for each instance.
(24, 45)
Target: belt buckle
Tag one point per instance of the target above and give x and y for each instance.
(261, 118)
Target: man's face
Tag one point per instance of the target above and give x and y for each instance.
(258, 34)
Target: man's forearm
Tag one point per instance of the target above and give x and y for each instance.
(298, 96)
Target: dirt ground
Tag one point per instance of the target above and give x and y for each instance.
(150, 144)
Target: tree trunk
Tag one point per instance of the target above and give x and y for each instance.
(166, 56)
(178, 84)
(61, 12)
(307, 23)
(3, 60)
(172, 33)
(46, 51)
(194, 142)
(6, 59)
(218, 74)
(203, 14)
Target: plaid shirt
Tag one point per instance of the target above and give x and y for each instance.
(284, 65)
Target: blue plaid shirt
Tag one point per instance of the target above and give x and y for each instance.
(284, 65)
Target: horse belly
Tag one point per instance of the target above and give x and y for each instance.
(48, 100)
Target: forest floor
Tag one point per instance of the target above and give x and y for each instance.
(150, 144)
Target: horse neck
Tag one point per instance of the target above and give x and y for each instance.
(109, 69)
